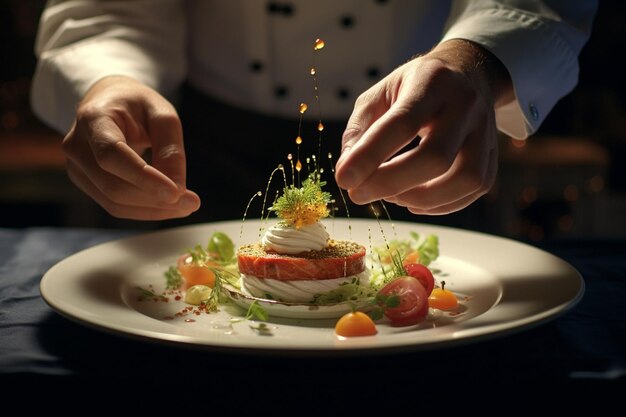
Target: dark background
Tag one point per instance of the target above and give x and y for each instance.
(568, 180)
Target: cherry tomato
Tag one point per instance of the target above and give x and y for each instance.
(194, 274)
(423, 275)
(355, 324)
(413, 301)
(443, 299)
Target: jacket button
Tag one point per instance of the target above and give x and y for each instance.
(343, 93)
(256, 66)
(346, 22)
(372, 72)
(281, 91)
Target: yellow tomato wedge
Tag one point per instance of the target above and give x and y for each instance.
(354, 324)
(194, 274)
(442, 299)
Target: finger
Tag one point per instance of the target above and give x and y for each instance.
(446, 208)
(454, 191)
(433, 157)
(121, 192)
(470, 173)
(186, 205)
(168, 151)
(386, 136)
(113, 155)
(370, 106)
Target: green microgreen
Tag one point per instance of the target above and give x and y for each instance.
(303, 205)
(255, 311)
(173, 278)
(145, 293)
(262, 329)
(381, 303)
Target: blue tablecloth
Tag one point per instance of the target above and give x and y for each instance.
(587, 344)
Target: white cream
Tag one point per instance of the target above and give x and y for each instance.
(285, 239)
(297, 291)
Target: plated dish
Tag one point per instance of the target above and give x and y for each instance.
(508, 286)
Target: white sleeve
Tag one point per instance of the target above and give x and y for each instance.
(82, 41)
(538, 43)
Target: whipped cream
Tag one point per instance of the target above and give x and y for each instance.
(286, 239)
(296, 291)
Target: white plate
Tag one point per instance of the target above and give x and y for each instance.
(510, 286)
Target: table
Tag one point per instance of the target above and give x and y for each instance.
(586, 347)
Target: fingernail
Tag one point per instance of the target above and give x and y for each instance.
(167, 195)
(360, 196)
(348, 179)
(188, 202)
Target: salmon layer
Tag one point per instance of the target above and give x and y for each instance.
(340, 259)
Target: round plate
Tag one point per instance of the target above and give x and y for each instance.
(505, 286)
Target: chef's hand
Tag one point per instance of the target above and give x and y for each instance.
(117, 121)
(447, 99)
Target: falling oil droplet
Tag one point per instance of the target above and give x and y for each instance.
(298, 165)
(320, 126)
(319, 44)
(313, 71)
(330, 155)
(290, 157)
(303, 108)
(299, 140)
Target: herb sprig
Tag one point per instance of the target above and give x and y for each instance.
(300, 206)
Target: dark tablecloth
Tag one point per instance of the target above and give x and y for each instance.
(585, 346)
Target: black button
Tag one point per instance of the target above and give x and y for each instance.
(256, 66)
(288, 9)
(347, 21)
(343, 93)
(284, 9)
(281, 91)
(272, 8)
(373, 72)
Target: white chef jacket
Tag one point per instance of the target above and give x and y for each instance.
(257, 54)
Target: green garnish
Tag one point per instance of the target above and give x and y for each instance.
(150, 294)
(300, 206)
(428, 249)
(173, 278)
(348, 291)
(263, 329)
(382, 302)
(217, 295)
(388, 259)
(221, 247)
(256, 311)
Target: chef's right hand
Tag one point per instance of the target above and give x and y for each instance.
(118, 120)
